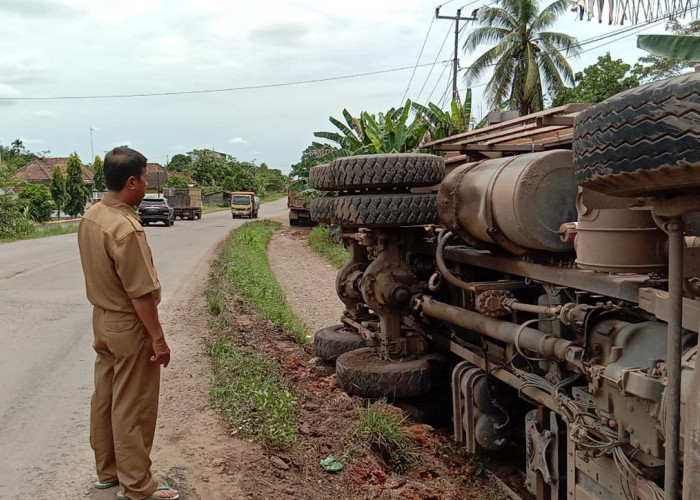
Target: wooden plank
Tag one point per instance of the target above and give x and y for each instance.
(567, 108)
(533, 137)
(515, 148)
(565, 121)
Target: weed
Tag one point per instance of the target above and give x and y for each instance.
(379, 427)
(216, 301)
(246, 266)
(248, 392)
(493, 491)
(325, 242)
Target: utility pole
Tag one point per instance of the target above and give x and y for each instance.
(455, 61)
(92, 150)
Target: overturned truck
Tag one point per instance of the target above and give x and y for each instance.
(546, 271)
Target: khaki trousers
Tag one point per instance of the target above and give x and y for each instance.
(124, 405)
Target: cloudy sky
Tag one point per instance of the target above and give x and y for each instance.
(259, 51)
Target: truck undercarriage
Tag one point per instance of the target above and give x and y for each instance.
(548, 273)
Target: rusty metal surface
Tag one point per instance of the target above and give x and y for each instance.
(625, 287)
(518, 203)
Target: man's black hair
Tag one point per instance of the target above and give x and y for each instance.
(120, 164)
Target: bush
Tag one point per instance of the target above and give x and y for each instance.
(36, 200)
(13, 222)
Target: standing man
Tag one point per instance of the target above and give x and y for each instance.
(122, 285)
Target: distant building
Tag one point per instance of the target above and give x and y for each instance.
(157, 177)
(217, 198)
(193, 154)
(39, 171)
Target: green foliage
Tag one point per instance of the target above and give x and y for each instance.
(179, 163)
(246, 265)
(311, 156)
(325, 242)
(249, 392)
(653, 67)
(446, 123)
(15, 156)
(525, 58)
(207, 167)
(598, 82)
(380, 428)
(77, 193)
(57, 186)
(14, 223)
(35, 199)
(98, 175)
(177, 181)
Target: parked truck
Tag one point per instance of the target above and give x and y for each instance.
(186, 202)
(546, 274)
(299, 206)
(244, 204)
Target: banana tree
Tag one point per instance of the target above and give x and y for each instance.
(390, 132)
(445, 123)
(683, 47)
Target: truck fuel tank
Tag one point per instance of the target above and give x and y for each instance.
(517, 202)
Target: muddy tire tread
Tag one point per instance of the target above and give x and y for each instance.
(386, 171)
(386, 210)
(332, 341)
(388, 379)
(641, 141)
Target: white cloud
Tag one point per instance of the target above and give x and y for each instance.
(41, 8)
(29, 142)
(45, 113)
(238, 140)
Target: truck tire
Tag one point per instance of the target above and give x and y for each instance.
(643, 141)
(385, 210)
(332, 341)
(362, 373)
(320, 178)
(321, 209)
(385, 172)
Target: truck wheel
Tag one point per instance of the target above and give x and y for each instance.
(643, 141)
(167, 222)
(321, 209)
(320, 178)
(386, 172)
(332, 341)
(362, 373)
(385, 210)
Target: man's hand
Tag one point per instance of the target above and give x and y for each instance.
(161, 352)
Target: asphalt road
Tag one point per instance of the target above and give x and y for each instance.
(46, 355)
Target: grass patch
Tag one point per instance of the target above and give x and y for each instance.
(379, 428)
(325, 242)
(208, 209)
(248, 391)
(43, 231)
(246, 266)
(275, 195)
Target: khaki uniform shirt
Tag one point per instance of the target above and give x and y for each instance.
(115, 255)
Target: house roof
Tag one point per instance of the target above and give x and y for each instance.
(41, 170)
(157, 176)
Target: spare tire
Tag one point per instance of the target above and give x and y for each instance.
(644, 141)
(385, 210)
(384, 172)
(322, 209)
(320, 178)
(332, 341)
(362, 373)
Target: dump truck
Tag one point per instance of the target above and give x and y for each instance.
(299, 206)
(542, 279)
(244, 204)
(187, 202)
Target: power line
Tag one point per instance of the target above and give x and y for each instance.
(444, 69)
(403, 99)
(434, 63)
(212, 91)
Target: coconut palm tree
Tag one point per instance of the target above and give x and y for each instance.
(526, 59)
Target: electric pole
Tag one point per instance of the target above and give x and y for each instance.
(455, 61)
